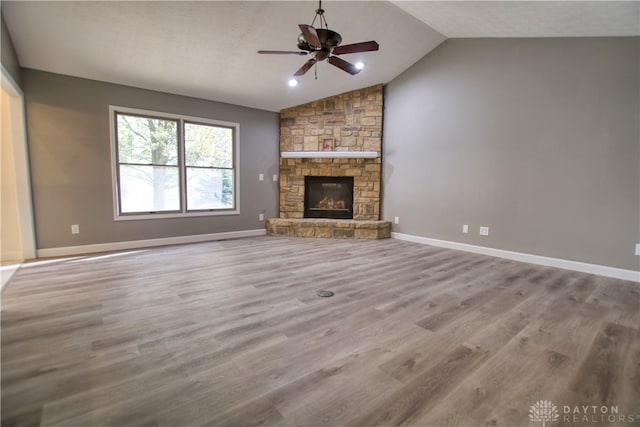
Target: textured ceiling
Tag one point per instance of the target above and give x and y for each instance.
(527, 18)
(208, 49)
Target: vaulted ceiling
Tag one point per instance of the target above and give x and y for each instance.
(208, 49)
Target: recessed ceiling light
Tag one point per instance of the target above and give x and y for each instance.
(359, 65)
(293, 83)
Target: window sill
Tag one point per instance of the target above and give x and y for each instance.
(136, 217)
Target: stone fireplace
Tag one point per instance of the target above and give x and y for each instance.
(332, 141)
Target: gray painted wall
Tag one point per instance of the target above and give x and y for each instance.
(69, 145)
(536, 138)
(8, 54)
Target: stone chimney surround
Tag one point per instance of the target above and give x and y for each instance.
(339, 136)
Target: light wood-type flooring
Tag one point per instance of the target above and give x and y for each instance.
(232, 333)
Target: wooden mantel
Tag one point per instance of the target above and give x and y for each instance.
(329, 154)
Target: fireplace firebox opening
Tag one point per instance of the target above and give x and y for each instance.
(328, 197)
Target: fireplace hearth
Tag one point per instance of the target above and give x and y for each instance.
(328, 197)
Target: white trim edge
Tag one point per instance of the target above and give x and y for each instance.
(18, 130)
(136, 244)
(600, 270)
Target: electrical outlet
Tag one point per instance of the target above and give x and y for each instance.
(465, 228)
(275, 177)
(261, 177)
(75, 229)
(260, 216)
(396, 220)
(638, 249)
(484, 231)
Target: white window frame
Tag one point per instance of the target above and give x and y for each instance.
(181, 118)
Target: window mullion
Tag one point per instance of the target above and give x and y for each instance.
(117, 159)
(183, 168)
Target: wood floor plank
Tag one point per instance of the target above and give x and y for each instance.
(416, 398)
(233, 333)
(601, 374)
(258, 412)
(534, 384)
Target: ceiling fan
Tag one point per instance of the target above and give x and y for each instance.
(322, 43)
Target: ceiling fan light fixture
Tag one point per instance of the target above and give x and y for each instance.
(293, 82)
(359, 65)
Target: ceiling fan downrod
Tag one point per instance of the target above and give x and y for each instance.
(320, 13)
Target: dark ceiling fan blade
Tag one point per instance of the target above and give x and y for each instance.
(343, 65)
(355, 48)
(310, 35)
(282, 52)
(307, 65)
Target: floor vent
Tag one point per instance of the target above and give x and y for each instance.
(325, 294)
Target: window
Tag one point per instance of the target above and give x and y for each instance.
(167, 165)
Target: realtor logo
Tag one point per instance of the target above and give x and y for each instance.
(543, 410)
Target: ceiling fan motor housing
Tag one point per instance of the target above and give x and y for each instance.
(328, 40)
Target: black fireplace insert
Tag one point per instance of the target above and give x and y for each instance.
(328, 197)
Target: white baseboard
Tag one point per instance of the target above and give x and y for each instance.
(137, 244)
(601, 270)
